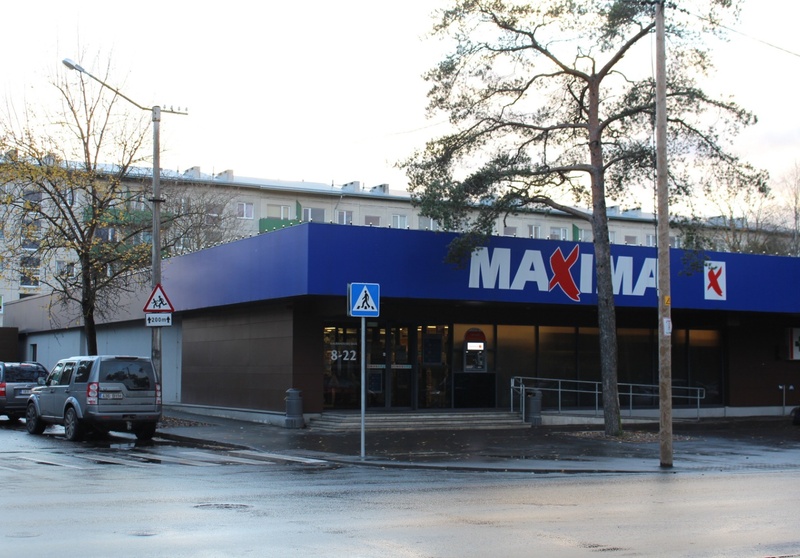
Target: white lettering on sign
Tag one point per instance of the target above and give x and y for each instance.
(347, 355)
(492, 269)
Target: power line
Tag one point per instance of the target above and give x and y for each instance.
(756, 39)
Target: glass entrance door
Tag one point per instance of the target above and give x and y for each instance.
(401, 365)
(390, 367)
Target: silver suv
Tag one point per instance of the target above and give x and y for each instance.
(99, 393)
(17, 379)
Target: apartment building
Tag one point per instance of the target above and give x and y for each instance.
(236, 207)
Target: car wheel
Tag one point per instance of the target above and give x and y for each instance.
(145, 431)
(33, 423)
(72, 425)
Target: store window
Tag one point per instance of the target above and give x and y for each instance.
(557, 358)
(705, 363)
(516, 356)
(342, 368)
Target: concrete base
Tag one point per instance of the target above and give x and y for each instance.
(264, 417)
(294, 422)
(653, 415)
(548, 417)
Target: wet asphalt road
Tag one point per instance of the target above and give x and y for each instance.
(197, 500)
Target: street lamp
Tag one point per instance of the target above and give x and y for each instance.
(155, 200)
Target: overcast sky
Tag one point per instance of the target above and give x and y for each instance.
(320, 90)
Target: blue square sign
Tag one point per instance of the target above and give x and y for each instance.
(364, 300)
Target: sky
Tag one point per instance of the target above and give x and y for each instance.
(325, 91)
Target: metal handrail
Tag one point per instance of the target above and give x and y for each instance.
(523, 385)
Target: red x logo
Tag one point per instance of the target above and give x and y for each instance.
(561, 273)
(713, 280)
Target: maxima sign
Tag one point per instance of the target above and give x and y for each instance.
(492, 269)
(568, 275)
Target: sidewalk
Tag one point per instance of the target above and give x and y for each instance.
(705, 445)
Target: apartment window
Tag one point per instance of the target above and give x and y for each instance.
(509, 231)
(244, 210)
(674, 242)
(372, 221)
(106, 234)
(214, 215)
(581, 235)
(558, 233)
(275, 211)
(428, 224)
(66, 269)
(399, 221)
(650, 240)
(31, 267)
(31, 234)
(631, 239)
(314, 214)
(344, 217)
(612, 237)
(534, 231)
(33, 199)
(137, 203)
(143, 237)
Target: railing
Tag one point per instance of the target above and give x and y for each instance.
(643, 395)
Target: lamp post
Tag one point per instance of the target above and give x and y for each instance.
(155, 200)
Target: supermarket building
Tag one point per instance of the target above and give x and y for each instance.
(256, 317)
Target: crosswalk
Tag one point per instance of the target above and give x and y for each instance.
(150, 457)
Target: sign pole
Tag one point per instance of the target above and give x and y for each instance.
(363, 301)
(363, 383)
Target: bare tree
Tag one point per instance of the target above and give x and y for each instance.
(548, 105)
(788, 194)
(76, 219)
(198, 216)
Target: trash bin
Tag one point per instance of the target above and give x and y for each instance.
(533, 407)
(294, 409)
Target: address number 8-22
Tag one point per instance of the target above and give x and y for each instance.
(344, 355)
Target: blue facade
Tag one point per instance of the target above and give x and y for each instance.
(321, 259)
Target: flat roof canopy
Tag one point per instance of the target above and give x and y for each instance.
(321, 259)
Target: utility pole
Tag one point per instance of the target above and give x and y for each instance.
(664, 288)
(156, 200)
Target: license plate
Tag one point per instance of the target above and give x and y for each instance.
(24, 391)
(111, 395)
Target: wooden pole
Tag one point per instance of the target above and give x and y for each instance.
(664, 288)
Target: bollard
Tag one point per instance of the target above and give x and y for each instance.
(533, 407)
(294, 409)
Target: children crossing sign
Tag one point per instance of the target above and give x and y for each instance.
(158, 301)
(364, 300)
(158, 310)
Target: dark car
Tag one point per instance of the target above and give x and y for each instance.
(17, 379)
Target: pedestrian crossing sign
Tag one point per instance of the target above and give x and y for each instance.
(364, 300)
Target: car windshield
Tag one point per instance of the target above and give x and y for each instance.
(135, 374)
(24, 373)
